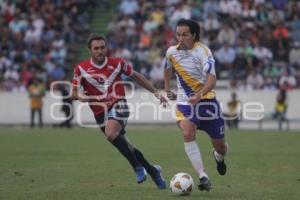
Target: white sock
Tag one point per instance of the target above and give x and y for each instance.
(220, 157)
(193, 152)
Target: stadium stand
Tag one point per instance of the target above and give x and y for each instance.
(256, 43)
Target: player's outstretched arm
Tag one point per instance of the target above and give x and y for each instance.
(167, 77)
(142, 81)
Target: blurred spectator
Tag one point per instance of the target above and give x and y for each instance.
(32, 36)
(243, 86)
(280, 108)
(279, 4)
(113, 25)
(5, 62)
(275, 16)
(245, 48)
(17, 24)
(281, 32)
(123, 52)
(208, 7)
(129, 7)
(234, 112)
(25, 75)
(154, 54)
(144, 69)
(227, 35)
(181, 11)
(11, 74)
(67, 105)
(248, 12)
(36, 91)
(271, 70)
(265, 37)
(262, 14)
(269, 84)
(259, 2)
(240, 67)
(294, 55)
(57, 73)
(19, 87)
(254, 80)
(157, 72)
(128, 24)
(211, 24)
(225, 7)
(196, 11)
(150, 25)
(262, 53)
(226, 56)
(158, 15)
(287, 81)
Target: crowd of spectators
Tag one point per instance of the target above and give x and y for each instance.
(35, 35)
(256, 43)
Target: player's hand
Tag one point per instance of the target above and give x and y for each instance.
(195, 98)
(82, 97)
(171, 95)
(162, 99)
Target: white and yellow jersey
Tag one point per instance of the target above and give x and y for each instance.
(191, 67)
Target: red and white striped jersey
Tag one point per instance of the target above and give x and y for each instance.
(102, 83)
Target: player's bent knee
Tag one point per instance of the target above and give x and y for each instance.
(188, 136)
(110, 136)
(188, 130)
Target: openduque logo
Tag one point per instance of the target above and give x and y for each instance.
(144, 106)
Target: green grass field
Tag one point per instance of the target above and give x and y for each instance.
(80, 164)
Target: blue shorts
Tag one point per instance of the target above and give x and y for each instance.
(207, 115)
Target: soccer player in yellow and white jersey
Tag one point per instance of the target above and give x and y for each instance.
(197, 107)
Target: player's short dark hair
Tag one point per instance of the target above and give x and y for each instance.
(193, 25)
(94, 36)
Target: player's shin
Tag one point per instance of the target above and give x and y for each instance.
(193, 152)
(149, 168)
(122, 145)
(219, 156)
(125, 148)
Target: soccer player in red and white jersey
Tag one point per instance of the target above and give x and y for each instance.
(97, 81)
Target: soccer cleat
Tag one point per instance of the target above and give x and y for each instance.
(204, 184)
(158, 178)
(141, 174)
(221, 166)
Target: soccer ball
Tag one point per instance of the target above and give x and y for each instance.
(182, 184)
